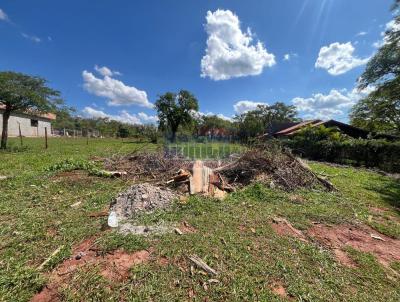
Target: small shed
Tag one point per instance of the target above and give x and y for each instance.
(31, 124)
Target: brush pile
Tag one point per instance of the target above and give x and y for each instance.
(149, 167)
(273, 166)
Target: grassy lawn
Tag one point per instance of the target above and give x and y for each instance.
(233, 236)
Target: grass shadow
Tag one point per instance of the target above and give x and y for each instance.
(389, 191)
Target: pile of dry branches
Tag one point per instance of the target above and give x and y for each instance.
(147, 166)
(274, 167)
(270, 165)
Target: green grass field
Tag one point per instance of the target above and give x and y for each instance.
(233, 236)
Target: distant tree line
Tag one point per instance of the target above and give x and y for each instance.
(67, 119)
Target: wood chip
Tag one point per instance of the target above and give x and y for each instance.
(377, 237)
(201, 264)
(99, 214)
(76, 204)
(178, 231)
(213, 281)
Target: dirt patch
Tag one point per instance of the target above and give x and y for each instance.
(279, 290)
(73, 176)
(119, 263)
(343, 258)
(378, 210)
(163, 261)
(297, 198)
(114, 266)
(186, 228)
(361, 237)
(284, 228)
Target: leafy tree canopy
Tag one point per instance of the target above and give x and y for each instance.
(380, 111)
(21, 92)
(175, 110)
(260, 120)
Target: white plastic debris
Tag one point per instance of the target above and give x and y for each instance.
(113, 220)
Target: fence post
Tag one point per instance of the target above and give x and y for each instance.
(87, 136)
(20, 134)
(45, 137)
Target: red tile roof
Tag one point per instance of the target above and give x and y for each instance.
(297, 127)
(49, 116)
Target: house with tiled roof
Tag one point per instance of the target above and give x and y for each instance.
(294, 128)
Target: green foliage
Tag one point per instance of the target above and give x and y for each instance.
(315, 134)
(151, 133)
(380, 111)
(68, 165)
(377, 113)
(108, 128)
(123, 131)
(21, 92)
(175, 110)
(360, 152)
(257, 122)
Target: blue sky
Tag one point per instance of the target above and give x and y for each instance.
(231, 54)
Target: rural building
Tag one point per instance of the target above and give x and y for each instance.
(32, 125)
(288, 130)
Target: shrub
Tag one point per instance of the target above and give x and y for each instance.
(360, 152)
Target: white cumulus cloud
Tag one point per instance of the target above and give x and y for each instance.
(115, 91)
(334, 105)
(230, 52)
(245, 106)
(32, 38)
(147, 118)
(338, 58)
(105, 71)
(123, 116)
(198, 115)
(3, 15)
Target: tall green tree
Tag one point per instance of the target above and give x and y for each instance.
(380, 111)
(21, 93)
(259, 121)
(176, 109)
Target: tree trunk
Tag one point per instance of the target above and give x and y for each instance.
(173, 137)
(174, 129)
(4, 134)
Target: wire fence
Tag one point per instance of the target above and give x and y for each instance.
(204, 150)
(76, 132)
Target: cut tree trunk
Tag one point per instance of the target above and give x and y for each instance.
(4, 134)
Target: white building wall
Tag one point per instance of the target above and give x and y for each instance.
(26, 128)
